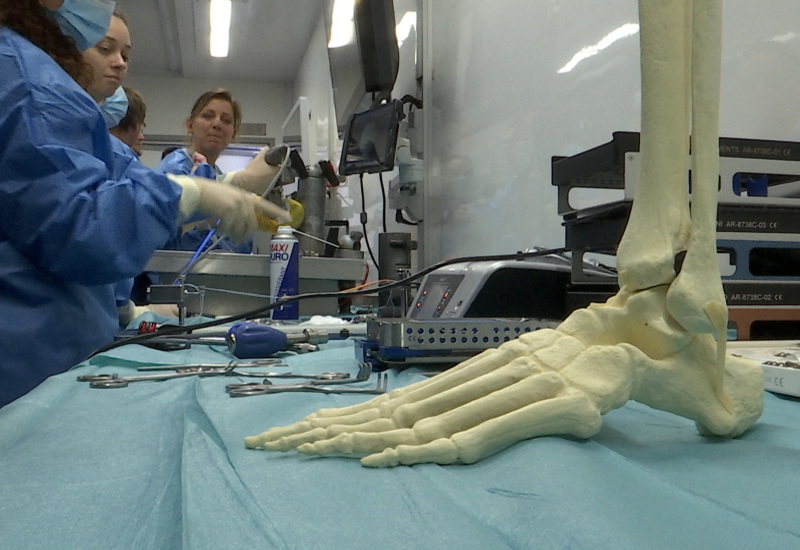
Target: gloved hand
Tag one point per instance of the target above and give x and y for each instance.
(296, 211)
(239, 212)
(167, 310)
(130, 311)
(259, 172)
(198, 158)
(274, 155)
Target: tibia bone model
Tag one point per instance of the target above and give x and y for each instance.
(653, 342)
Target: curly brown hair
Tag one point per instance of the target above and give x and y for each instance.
(29, 19)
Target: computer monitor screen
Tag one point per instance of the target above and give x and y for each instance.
(370, 140)
(363, 54)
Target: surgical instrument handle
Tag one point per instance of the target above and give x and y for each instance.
(249, 340)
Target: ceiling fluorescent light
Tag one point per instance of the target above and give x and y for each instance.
(342, 26)
(628, 29)
(407, 22)
(220, 22)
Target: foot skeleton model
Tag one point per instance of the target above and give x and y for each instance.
(653, 342)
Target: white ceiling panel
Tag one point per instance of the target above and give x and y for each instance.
(268, 38)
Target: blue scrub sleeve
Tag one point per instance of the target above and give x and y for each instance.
(177, 162)
(59, 205)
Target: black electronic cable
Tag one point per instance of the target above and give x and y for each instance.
(408, 98)
(166, 330)
(383, 201)
(364, 223)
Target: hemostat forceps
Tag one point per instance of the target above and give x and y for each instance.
(232, 369)
(114, 380)
(210, 369)
(220, 368)
(117, 381)
(319, 385)
(243, 390)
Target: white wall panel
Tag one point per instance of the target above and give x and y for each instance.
(498, 109)
(313, 81)
(169, 101)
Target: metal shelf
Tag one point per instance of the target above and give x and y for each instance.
(224, 274)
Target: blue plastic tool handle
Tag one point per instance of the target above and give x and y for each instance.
(251, 340)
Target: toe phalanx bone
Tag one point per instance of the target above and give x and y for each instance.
(653, 342)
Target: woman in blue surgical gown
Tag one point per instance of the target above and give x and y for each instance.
(212, 125)
(108, 60)
(68, 229)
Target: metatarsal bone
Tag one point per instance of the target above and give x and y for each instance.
(572, 413)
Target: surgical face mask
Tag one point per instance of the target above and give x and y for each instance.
(86, 21)
(114, 107)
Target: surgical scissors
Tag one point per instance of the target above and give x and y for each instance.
(244, 390)
(266, 386)
(222, 368)
(116, 381)
(232, 369)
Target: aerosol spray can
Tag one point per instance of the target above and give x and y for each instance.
(284, 272)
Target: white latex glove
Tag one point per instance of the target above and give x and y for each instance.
(167, 310)
(259, 173)
(240, 213)
(198, 158)
(126, 313)
(296, 212)
(131, 311)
